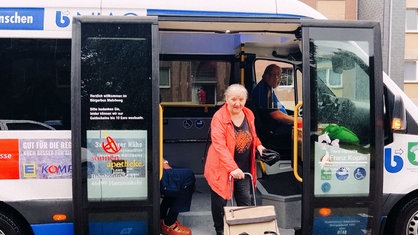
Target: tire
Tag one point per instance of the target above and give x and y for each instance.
(407, 220)
(8, 226)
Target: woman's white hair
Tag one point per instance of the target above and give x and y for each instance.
(236, 88)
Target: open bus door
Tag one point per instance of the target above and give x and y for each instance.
(342, 146)
(115, 137)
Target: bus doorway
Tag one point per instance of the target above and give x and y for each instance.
(115, 126)
(339, 147)
(332, 81)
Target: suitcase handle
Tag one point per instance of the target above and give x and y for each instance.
(252, 187)
(265, 232)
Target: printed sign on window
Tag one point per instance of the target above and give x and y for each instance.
(116, 164)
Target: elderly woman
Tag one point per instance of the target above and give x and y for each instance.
(232, 152)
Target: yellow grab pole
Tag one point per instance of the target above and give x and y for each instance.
(160, 128)
(295, 142)
(242, 62)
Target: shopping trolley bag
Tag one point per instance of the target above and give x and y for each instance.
(251, 220)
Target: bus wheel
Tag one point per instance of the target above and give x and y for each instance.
(8, 226)
(407, 221)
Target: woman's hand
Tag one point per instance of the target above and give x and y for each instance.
(260, 149)
(237, 174)
(166, 165)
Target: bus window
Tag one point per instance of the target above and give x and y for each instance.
(23, 125)
(285, 92)
(36, 80)
(194, 81)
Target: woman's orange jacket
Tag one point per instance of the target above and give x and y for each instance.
(220, 158)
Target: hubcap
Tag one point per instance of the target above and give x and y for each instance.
(412, 227)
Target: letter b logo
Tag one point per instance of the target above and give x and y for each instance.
(61, 20)
(395, 159)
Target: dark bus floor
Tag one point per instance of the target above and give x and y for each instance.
(283, 184)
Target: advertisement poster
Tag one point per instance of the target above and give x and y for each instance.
(9, 159)
(45, 158)
(340, 172)
(35, 155)
(116, 164)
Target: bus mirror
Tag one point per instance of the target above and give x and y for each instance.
(398, 115)
(341, 61)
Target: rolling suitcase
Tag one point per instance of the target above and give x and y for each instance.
(249, 220)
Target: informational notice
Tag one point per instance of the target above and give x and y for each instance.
(116, 164)
(110, 107)
(340, 172)
(342, 221)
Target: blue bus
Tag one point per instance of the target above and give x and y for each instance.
(110, 88)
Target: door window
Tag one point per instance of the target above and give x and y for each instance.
(342, 117)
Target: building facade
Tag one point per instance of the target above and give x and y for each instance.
(399, 25)
(411, 50)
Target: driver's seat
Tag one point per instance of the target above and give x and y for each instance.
(273, 135)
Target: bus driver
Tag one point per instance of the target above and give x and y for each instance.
(275, 125)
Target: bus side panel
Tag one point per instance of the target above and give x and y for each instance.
(401, 164)
(60, 228)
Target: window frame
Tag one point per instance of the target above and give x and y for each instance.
(414, 76)
(409, 21)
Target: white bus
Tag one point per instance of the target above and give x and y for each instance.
(119, 84)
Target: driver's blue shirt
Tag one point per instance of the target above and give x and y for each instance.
(264, 97)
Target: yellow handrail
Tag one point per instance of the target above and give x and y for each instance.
(242, 57)
(295, 142)
(160, 124)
